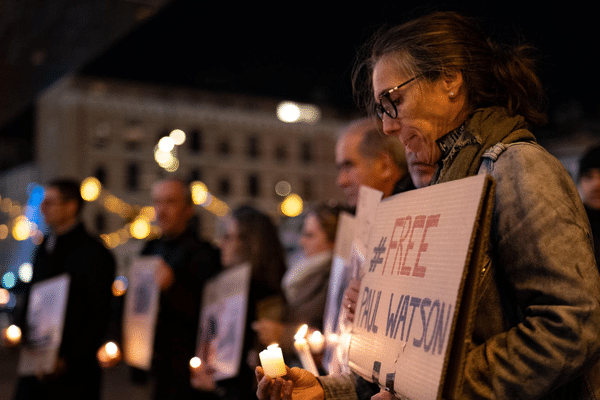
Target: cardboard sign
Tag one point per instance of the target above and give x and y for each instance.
(45, 320)
(223, 321)
(335, 361)
(141, 312)
(412, 313)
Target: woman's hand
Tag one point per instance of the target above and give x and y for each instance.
(296, 384)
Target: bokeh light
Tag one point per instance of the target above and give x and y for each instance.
(25, 272)
(199, 192)
(90, 188)
(21, 228)
(178, 136)
(292, 205)
(9, 280)
(119, 286)
(140, 227)
(13, 334)
(4, 297)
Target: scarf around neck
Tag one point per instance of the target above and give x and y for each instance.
(485, 128)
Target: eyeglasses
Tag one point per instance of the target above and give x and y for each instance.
(386, 104)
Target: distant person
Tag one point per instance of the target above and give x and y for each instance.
(305, 283)
(365, 156)
(250, 238)
(187, 262)
(68, 248)
(589, 188)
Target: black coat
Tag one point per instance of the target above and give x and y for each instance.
(91, 268)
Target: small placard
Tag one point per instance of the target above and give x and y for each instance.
(223, 321)
(141, 312)
(46, 314)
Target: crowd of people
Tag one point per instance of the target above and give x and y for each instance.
(443, 102)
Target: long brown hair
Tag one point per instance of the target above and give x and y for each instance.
(442, 42)
(261, 245)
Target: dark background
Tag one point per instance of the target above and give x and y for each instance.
(297, 51)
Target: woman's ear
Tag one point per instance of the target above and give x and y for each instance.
(453, 82)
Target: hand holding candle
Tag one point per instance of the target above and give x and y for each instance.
(272, 362)
(303, 350)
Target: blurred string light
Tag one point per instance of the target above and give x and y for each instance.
(292, 112)
(119, 286)
(292, 205)
(165, 151)
(25, 272)
(4, 297)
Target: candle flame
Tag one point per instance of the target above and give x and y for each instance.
(301, 332)
(195, 362)
(272, 346)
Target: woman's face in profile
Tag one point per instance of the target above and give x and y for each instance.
(231, 246)
(424, 110)
(314, 239)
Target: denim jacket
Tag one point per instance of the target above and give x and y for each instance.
(536, 331)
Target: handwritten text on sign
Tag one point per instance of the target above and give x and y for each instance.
(416, 256)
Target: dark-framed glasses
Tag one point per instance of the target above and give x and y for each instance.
(386, 105)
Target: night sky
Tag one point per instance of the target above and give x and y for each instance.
(305, 52)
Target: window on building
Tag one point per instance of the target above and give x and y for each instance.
(224, 186)
(196, 141)
(253, 185)
(306, 152)
(101, 135)
(307, 189)
(100, 222)
(253, 147)
(195, 175)
(132, 178)
(223, 147)
(100, 174)
(281, 154)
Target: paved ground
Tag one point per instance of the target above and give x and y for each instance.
(116, 381)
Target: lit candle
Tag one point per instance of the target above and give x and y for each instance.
(316, 342)
(303, 350)
(271, 360)
(195, 362)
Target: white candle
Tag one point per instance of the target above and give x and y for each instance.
(316, 342)
(272, 362)
(303, 350)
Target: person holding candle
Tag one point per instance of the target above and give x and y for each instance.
(69, 249)
(457, 100)
(305, 283)
(250, 237)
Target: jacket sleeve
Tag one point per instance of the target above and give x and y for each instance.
(544, 258)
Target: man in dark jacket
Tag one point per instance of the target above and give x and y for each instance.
(589, 188)
(91, 267)
(187, 263)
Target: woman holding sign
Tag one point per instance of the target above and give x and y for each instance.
(460, 102)
(250, 241)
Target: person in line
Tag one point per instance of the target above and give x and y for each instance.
(364, 156)
(589, 188)
(187, 262)
(306, 283)
(69, 248)
(252, 238)
(461, 102)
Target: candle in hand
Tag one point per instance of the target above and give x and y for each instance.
(271, 360)
(303, 350)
